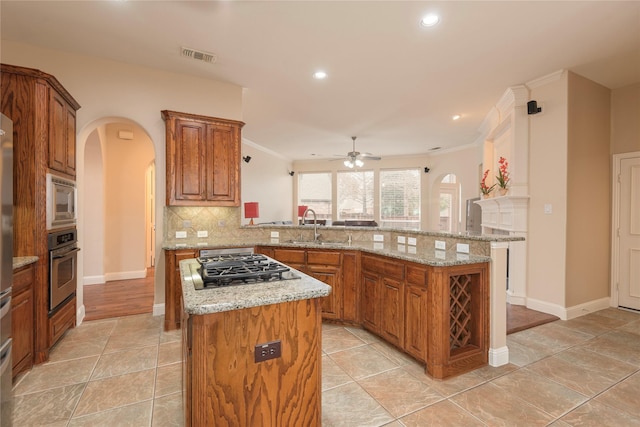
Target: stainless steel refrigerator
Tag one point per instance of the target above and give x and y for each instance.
(474, 216)
(6, 259)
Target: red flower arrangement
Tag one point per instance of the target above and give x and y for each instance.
(483, 184)
(503, 174)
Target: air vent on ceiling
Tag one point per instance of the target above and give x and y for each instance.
(199, 55)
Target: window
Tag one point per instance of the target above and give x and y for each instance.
(314, 191)
(449, 204)
(355, 195)
(400, 198)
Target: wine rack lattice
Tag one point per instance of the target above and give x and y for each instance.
(460, 308)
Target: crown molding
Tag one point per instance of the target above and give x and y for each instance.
(545, 80)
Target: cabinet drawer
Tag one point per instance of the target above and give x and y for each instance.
(295, 256)
(323, 257)
(22, 278)
(61, 321)
(416, 275)
(387, 268)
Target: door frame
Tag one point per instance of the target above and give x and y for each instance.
(615, 223)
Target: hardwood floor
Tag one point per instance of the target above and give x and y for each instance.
(520, 318)
(119, 298)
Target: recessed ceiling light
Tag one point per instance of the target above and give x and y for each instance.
(456, 117)
(429, 20)
(320, 75)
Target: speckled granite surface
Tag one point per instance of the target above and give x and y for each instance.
(428, 256)
(216, 300)
(21, 261)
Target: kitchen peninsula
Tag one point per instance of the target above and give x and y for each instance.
(252, 352)
(433, 304)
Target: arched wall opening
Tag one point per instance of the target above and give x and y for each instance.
(116, 203)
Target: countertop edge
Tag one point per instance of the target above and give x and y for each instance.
(217, 300)
(23, 261)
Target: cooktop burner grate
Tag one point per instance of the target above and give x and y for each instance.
(237, 269)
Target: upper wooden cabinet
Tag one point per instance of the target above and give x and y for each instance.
(62, 135)
(203, 160)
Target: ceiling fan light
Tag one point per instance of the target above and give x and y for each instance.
(348, 164)
(359, 163)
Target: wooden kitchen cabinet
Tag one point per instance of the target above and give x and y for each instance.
(415, 307)
(383, 299)
(326, 266)
(62, 135)
(44, 126)
(22, 316)
(203, 160)
(173, 286)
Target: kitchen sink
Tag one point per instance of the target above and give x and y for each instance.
(318, 242)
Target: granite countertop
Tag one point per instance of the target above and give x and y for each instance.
(216, 300)
(21, 261)
(432, 257)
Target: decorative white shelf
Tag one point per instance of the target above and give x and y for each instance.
(508, 213)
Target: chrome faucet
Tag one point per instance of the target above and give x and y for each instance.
(315, 223)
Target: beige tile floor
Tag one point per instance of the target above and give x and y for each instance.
(126, 372)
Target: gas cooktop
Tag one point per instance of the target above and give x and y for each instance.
(229, 269)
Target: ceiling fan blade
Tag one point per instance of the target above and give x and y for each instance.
(369, 157)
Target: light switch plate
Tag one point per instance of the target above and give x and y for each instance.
(412, 241)
(412, 250)
(401, 239)
(378, 238)
(181, 234)
(548, 209)
(441, 245)
(402, 248)
(275, 234)
(203, 233)
(462, 248)
(441, 254)
(378, 246)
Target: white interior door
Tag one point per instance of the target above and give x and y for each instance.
(628, 222)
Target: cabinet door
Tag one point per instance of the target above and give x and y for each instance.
(370, 299)
(350, 288)
(189, 160)
(70, 146)
(57, 132)
(222, 160)
(415, 330)
(392, 311)
(22, 314)
(331, 276)
(173, 287)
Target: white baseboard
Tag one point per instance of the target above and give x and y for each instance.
(588, 307)
(80, 313)
(498, 356)
(93, 280)
(570, 312)
(126, 275)
(158, 309)
(516, 299)
(546, 307)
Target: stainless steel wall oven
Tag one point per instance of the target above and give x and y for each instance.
(63, 256)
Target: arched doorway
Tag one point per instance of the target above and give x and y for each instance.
(449, 204)
(119, 162)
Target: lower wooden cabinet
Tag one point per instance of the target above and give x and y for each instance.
(61, 321)
(173, 286)
(416, 309)
(22, 315)
(383, 298)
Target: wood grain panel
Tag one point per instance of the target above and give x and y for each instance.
(230, 389)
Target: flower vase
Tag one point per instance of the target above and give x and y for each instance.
(486, 195)
(503, 191)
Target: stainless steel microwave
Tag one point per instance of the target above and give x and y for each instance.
(61, 202)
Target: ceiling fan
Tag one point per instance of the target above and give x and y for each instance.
(354, 158)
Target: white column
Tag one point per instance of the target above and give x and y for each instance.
(498, 351)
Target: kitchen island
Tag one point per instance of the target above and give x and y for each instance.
(252, 353)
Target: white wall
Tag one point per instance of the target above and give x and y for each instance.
(125, 165)
(266, 180)
(109, 89)
(93, 208)
(548, 185)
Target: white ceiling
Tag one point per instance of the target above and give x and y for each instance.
(392, 83)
